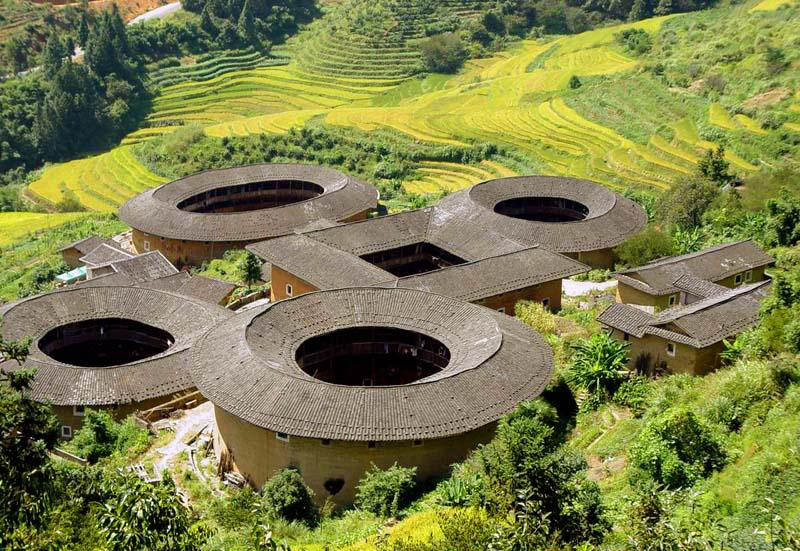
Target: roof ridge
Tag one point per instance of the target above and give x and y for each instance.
(703, 304)
(679, 258)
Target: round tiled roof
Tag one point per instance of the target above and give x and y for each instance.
(160, 375)
(247, 366)
(611, 218)
(156, 211)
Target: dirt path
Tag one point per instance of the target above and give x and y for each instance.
(191, 422)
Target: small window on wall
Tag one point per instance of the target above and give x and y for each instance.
(66, 431)
(289, 289)
(626, 337)
(416, 443)
(670, 349)
(78, 411)
(738, 279)
(325, 442)
(146, 245)
(673, 299)
(502, 310)
(748, 275)
(546, 302)
(372, 444)
(282, 436)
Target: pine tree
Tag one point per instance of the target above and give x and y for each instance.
(251, 269)
(247, 26)
(207, 21)
(83, 29)
(640, 10)
(53, 56)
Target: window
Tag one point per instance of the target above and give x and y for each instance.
(416, 443)
(546, 302)
(282, 436)
(672, 300)
(289, 289)
(66, 431)
(738, 279)
(372, 444)
(325, 442)
(502, 310)
(626, 337)
(146, 245)
(670, 349)
(748, 275)
(78, 411)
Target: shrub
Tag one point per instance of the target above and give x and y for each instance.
(677, 449)
(536, 315)
(635, 40)
(644, 247)
(574, 82)
(101, 436)
(444, 53)
(385, 492)
(286, 495)
(598, 363)
(634, 394)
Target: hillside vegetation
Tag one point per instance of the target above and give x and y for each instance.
(643, 113)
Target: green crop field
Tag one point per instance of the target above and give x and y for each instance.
(16, 225)
(624, 126)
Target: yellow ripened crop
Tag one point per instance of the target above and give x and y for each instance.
(15, 225)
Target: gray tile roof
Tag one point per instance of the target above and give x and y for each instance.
(207, 289)
(494, 276)
(135, 271)
(156, 212)
(699, 324)
(330, 258)
(247, 366)
(701, 288)
(712, 264)
(87, 244)
(161, 375)
(611, 218)
(104, 254)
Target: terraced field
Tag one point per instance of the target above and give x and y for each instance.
(15, 225)
(216, 66)
(100, 183)
(514, 98)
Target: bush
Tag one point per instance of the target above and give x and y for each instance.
(286, 495)
(644, 247)
(101, 436)
(598, 364)
(444, 53)
(385, 492)
(677, 449)
(536, 315)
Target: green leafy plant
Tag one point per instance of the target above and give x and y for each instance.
(286, 495)
(385, 492)
(599, 363)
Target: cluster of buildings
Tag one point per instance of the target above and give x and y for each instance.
(387, 339)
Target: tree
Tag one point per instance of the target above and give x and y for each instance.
(83, 28)
(686, 202)
(287, 496)
(53, 56)
(783, 222)
(444, 53)
(28, 430)
(574, 82)
(140, 516)
(251, 269)
(774, 60)
(247, 22)
(386, 492)
(715, 168)
(15, 53)
(644, 247)
(207, 21)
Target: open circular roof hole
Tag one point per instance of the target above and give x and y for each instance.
(372, 356)
(251, 196)
(543, 209)
(104, 342)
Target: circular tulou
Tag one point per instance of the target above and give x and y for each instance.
(333, 381)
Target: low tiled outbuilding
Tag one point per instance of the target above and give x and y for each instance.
(687, 338)
(333, 381)
(680, 280)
